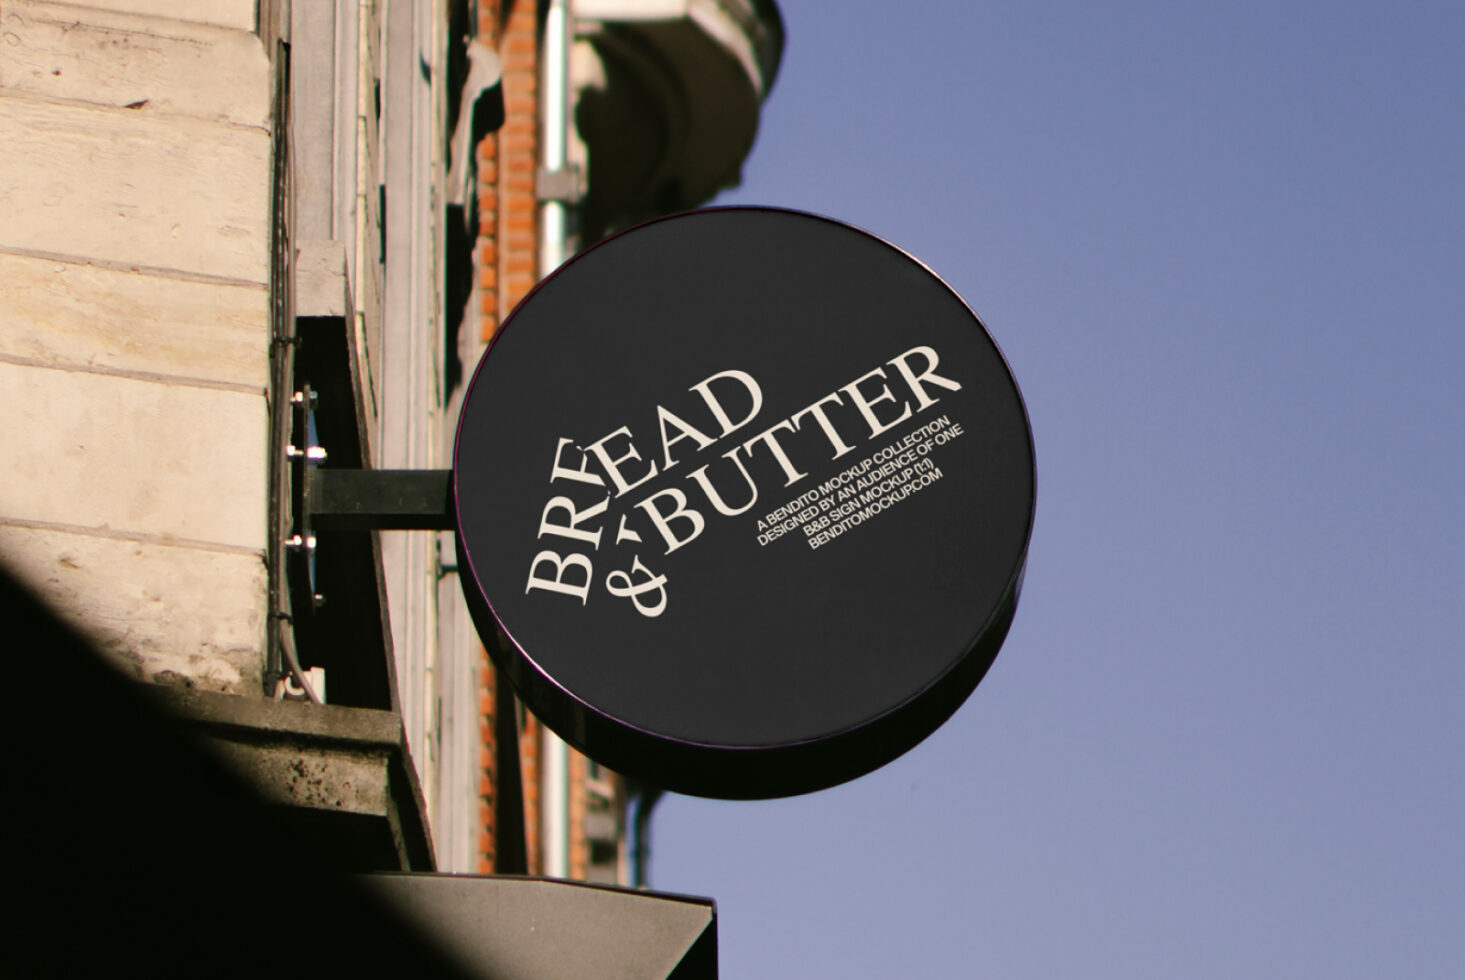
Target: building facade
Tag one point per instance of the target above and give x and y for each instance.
(247, 247)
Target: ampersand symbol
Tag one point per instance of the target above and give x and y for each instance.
(621, 585)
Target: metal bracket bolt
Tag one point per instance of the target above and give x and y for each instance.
(565, 185)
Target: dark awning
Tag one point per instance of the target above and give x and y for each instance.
(532, 928)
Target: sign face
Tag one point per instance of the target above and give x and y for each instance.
(748, 494)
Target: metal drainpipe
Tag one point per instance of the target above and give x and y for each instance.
(641, 855)
(555, 802)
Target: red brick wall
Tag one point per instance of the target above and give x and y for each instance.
(507, 256)
(508, 259)
(518, 158)
(487, 847)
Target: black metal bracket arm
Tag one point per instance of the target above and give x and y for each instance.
(380, 500)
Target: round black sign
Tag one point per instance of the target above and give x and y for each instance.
(748, 494)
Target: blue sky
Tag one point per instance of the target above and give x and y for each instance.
(1223, 248)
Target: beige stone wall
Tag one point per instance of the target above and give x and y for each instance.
(134, 326)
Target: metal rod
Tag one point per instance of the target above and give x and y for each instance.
(381, 500)
(555, 808)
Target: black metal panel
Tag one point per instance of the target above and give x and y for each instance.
(347, 632)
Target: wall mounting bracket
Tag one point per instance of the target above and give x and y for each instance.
(380, 500)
